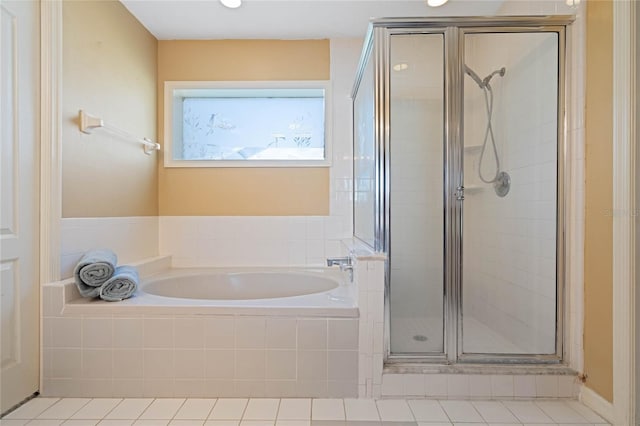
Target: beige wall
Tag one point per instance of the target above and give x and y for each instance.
(241, 191)
(598, 271)
(109, 70)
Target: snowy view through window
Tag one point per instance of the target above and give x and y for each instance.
(252, 128)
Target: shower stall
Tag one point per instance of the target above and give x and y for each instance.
(458, 177)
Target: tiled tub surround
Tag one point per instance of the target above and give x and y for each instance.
(161, 347)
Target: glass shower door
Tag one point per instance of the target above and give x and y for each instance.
(416, 108)
(509, 242)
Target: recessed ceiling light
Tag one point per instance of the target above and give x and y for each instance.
(401, 66)
(231, 4)
(436, 3)
(573, 3)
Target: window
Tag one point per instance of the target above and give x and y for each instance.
(246, 124)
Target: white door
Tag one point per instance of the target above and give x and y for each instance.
(19, 196)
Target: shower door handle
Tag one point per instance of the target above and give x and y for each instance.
(460, 193)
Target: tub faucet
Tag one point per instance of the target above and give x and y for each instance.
(333, 261)
(344, 263)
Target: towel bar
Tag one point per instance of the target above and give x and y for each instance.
(89, 122)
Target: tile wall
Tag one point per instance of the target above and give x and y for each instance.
(369, 278)
(131, 238)
(253, 241)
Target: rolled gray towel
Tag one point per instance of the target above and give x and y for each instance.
(93, 270)
(122, 285)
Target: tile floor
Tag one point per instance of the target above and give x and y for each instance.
(295, 412)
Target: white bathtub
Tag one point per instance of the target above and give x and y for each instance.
(247, 291)
(192, 332)
(235, 285)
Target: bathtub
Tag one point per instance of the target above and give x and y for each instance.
(236, 285)
(206, 332)
(247, 291)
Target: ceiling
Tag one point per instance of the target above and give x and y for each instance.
(285, 19)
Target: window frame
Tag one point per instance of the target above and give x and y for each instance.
(175, 91)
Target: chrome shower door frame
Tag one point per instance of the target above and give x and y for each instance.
(384, 244)
(377, 44)
(556, 25)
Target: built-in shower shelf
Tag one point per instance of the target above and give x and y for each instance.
(472, 149)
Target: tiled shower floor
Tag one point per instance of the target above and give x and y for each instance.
(478, 338)
(295, 412)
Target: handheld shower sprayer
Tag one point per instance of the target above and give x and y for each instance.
(471, 73)
(483, 83)
(488, 78)
(501, 180)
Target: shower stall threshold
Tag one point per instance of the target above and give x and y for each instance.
(478, 368)
(479, 381)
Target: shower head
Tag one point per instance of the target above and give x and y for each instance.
(480, 82)
(488, 78)
(471, 73)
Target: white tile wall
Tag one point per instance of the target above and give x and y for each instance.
(131, 238)
(369, 278)
(251, 241)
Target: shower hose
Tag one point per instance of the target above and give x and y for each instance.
(488, 134)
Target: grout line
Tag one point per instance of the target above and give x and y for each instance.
(184, 401)
(80, 408)
(277, 410)
(145, 409)
(244, 410)
(109, 412)
(212, 408)
(445, 411)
